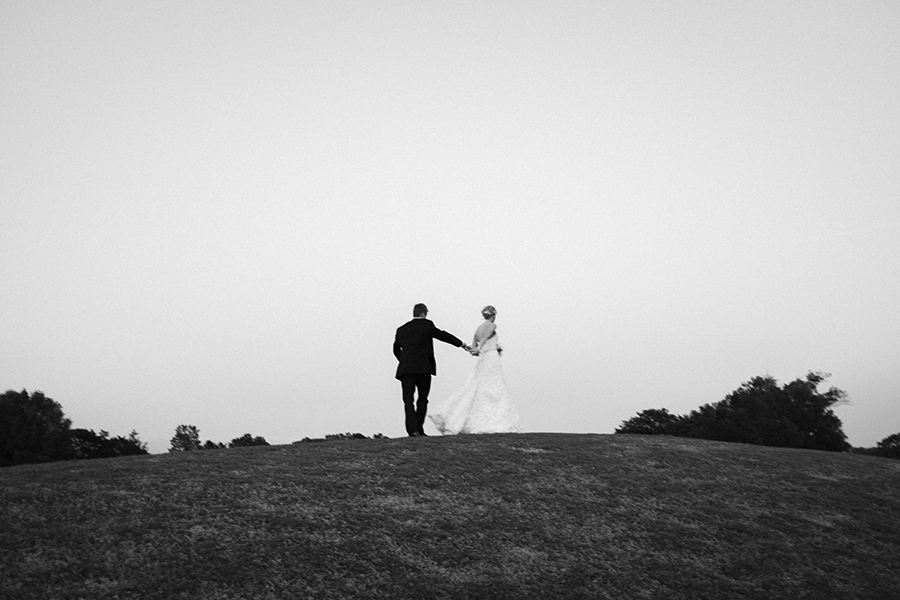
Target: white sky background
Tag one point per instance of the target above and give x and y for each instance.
(217, 213)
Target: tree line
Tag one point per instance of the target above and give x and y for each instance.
(187, 439)
(34, 429)
(795, 415)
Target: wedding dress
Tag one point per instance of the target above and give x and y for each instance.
(483, 405)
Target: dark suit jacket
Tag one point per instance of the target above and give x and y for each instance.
(414, 347)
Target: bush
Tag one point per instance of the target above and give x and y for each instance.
(342, 436)
(248, 440)
(345, 436)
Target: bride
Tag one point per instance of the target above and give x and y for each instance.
(483, 405)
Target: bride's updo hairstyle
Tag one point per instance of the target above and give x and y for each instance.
(488, 311)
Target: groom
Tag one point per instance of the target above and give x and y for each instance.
(414, 348)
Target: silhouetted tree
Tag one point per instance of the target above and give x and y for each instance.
(211, 445)
(135, 442)
(796, 415)
(248, 440)
(186, 439)
(87, 444)
(32, 429)
(889, 446)
(653, 421)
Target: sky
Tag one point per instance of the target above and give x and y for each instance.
(217, 213)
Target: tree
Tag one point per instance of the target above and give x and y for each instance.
(211, 445)
(755, 413)
(186, 439)
(653, 421)
(135, 442)
(32, 429)
(87, 444)
(795, 415)
(889, 446)
(248, 440)
(811, 411)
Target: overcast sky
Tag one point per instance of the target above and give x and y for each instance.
(218, 213)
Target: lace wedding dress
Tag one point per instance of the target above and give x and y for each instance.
(483, 405)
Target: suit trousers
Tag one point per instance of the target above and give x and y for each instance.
(415, 409)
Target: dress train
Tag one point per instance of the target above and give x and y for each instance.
(483, 405)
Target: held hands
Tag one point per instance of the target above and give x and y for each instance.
(474, 351)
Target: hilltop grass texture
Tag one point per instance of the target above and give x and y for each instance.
(492, 516)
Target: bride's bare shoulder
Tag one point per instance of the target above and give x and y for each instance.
(485, 329)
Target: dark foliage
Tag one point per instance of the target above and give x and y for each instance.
(33, 429)
(87, 444)
(211, 445)
(653, 421)
(248, 440)
(795, 415)
(889, 446)
(186, 439)
(345, 436)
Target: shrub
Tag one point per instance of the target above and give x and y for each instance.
(248, 440)
(345, 436)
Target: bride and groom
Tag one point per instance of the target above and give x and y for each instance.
(482, 406)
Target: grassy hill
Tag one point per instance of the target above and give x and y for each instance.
(494, 516)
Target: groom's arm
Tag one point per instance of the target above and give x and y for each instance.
(447, 338)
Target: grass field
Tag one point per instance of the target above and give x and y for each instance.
(493, 516)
